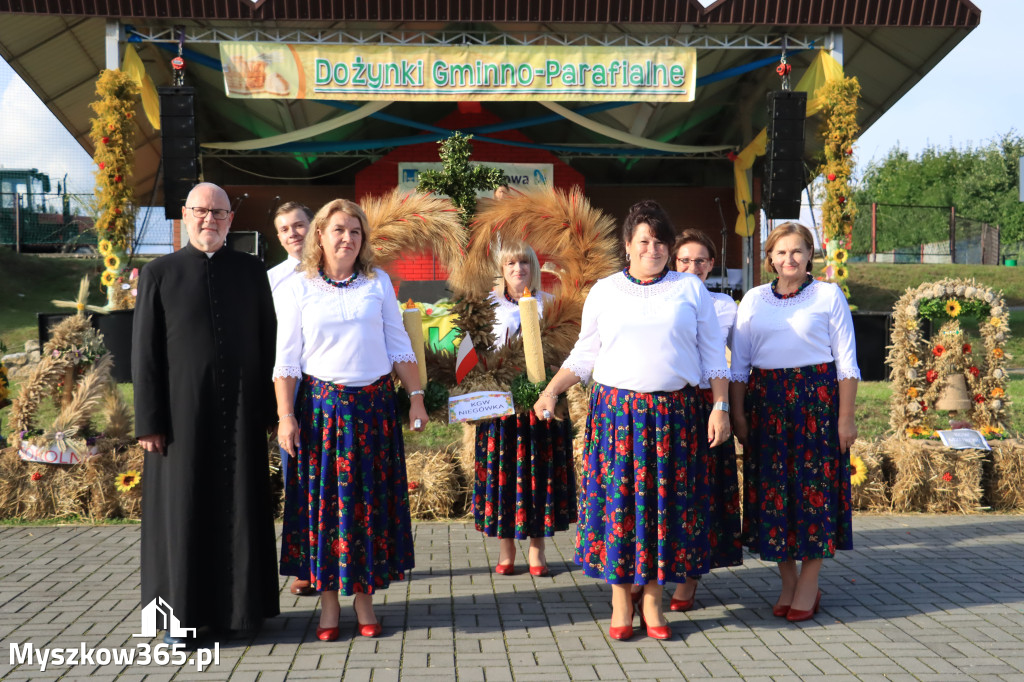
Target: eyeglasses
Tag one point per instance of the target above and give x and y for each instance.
(699, 262)
(201, 212)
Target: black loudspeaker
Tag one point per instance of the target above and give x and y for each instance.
(180, 149)
(249, 242)
(784, 174)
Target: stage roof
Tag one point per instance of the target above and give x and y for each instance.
(58, 48)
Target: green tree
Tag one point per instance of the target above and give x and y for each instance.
(980, 182)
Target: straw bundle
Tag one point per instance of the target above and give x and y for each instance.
(411, 222)
(1006, 483)
(931, 477)
(873, 493)
(436, 489)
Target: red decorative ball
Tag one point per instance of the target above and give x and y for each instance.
(831, 177)
(117, 178)
(117, 211)
(102, 165)
(105, 140)
(841, 200)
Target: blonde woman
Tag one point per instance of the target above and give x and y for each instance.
(524, 485)
(347, 527)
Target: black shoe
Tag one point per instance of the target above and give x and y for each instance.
(187, 642)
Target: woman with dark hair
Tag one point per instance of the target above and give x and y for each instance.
(794, 364)
(648, 337)
(524, 485)
(694, 252)
(339, 335)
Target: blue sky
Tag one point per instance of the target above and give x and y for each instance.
(971, 97)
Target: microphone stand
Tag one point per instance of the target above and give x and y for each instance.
(270, 211)
(725, 232)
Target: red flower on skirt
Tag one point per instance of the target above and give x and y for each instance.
(816, 498)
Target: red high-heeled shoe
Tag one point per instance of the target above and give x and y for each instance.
(655, 631)
(683, 604)
(505, 569)
(780, 610)
(538, 571)
(371, 630)
(624, 632)
(328, 634)
(796, 615)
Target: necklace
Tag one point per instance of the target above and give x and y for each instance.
(643, 282)
(341, 284)
(775, 288)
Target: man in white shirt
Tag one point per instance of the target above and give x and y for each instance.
(291, 222)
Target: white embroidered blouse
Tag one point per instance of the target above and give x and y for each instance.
(813, 327)
(346, 335)
(725, 310)
(282, 271)
(506, 316)
(659, 337)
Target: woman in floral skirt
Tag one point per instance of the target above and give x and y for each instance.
(794, 364)
(525, 486)
(346, 521)
(694, 252)
(648, 337)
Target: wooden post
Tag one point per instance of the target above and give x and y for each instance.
(17, 222)
(874, 229)
(952, 235)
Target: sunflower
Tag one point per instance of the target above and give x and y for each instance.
(106, 248)
(112, 262)
(997, 392)
(911, 324)
(913, 360)
(952, 308)
(108, 277)
(841, 255)
(995, 322)
(858, 472)
(912, 392)
(997, 353)
(841, 272)
(128, 480)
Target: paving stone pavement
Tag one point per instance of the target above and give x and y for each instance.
(920, 598)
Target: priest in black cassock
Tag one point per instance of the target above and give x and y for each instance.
(202, 358)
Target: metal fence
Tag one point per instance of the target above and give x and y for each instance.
(891, 233)
(63, 223)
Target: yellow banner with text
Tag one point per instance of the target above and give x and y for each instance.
(459, 73)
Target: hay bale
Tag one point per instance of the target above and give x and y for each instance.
(930, 477)
(873, 493)
(1005, 485)
(437, 488)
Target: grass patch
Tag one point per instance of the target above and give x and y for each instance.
(873, 408)
(73, 520)
(877, 286)
(30, 282)
(436, 435)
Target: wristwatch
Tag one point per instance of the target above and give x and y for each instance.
(724, 407)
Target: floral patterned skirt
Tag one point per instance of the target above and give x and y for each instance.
(646, 492)
(796, 481)
(724, 526)
(346, 510)
(525, 486)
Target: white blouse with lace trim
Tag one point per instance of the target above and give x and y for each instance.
(506, 316)
(725, 310)
(659, 337)
(811, 328)
(346, 335)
